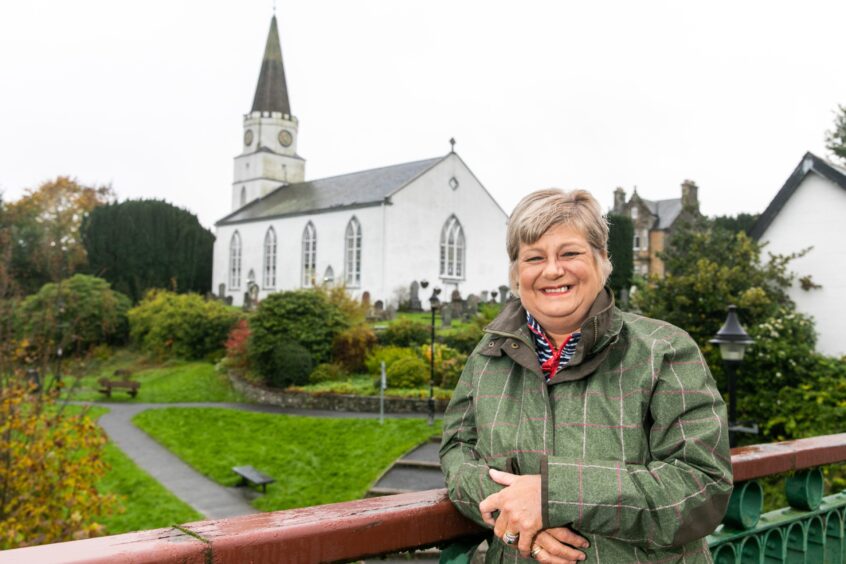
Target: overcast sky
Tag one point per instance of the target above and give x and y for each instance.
(149, 96)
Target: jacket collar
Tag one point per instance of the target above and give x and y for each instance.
(601, 328)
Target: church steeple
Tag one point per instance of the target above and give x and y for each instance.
(269, 158)
(272, 89)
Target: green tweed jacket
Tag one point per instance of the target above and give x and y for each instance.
(630, 438)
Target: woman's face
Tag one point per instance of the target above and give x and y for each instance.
(559, 279)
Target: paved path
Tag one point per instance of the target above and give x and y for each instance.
(207, 497)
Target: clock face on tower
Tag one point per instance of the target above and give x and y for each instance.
(248, 137)
(285, 138)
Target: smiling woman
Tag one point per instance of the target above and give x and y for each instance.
(577, 429)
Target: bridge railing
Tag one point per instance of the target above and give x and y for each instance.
(810, 531)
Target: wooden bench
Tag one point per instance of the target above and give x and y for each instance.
(251, 475)
(106, 386)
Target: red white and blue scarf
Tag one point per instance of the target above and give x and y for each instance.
(550, 359)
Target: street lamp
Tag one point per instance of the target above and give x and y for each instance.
(434, 303)
(733, 340)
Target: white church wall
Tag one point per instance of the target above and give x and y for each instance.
(413, 230)
(813, 217)
(330, 229)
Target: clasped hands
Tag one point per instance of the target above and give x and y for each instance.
(519, 506)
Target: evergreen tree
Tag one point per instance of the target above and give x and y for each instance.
(141, 244)
(620, 239)
(835, 139)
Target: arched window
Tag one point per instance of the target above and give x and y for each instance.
(309, 254)
(352, 253)
(243, 196)
(235, 261)
(269, 280)
(452, 249)
(329, 275)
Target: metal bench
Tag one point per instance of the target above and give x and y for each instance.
(251, 475)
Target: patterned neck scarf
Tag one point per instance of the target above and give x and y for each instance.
(550, 359)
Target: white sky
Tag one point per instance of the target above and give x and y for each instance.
(149, 96)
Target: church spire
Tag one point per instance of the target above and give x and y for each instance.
(272, 90)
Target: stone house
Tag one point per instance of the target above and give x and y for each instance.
(653, 222)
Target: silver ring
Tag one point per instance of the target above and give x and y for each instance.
(510, 538)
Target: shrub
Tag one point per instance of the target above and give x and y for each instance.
(75, 314)
(289, 364)
(236, 345)
(406, 333)
(389, 355)
(181, 325)
(448, 364)
(410, 372)
(353, 310)
(463, 339)
(302, 316)
(327, 373)
(52, 460)
(350, 347)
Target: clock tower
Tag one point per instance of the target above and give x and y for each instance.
(269, 157)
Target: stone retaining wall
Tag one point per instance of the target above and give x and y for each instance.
(331, 402)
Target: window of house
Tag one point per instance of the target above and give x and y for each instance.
(634, 212)
(269, 280)
(329, 275)
(235, 261)
(309, 254)
(352, 253)
(452, 249)
(243, 196)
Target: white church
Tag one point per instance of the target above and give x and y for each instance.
(371, 231)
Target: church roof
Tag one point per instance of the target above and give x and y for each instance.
(809, 163)
(272, 90)
(665, 211)
(357, 189)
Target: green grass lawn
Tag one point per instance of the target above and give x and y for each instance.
(143, 503)
(162, 382)
(313, 460)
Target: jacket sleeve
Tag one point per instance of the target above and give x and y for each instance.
(682, 494)
(467, 478)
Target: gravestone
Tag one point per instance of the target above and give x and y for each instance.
(228, 300)
(484, 296)
(503, 294)
(446, 316)
(221, 291)
(414, 298)
(390, 312)
(472, 307)
(365, 299)
(493, 296)
(457, 304)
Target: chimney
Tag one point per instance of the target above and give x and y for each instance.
(619, 200)
(690, 195)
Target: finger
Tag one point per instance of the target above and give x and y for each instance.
(545, 557)
(502, 478)
(501, 526)
(567, 536)
(556, 548)
(489, 505)
(524, 544)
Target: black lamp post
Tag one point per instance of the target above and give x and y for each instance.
(434, 303)
(733, 340)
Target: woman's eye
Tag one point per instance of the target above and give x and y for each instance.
(533, 259)
(570, 254)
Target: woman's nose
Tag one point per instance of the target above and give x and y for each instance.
(553, 268)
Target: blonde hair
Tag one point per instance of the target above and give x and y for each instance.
(538, 212)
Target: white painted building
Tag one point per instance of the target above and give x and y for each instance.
(373, 231)
(810, 212)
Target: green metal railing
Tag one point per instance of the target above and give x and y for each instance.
(809, 531)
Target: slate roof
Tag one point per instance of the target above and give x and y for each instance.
(809, 163)
(357, 189)
(666, 211)
(272, 89)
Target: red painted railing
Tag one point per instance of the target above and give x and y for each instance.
(356, 529)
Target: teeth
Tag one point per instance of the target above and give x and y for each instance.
(560, 290)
